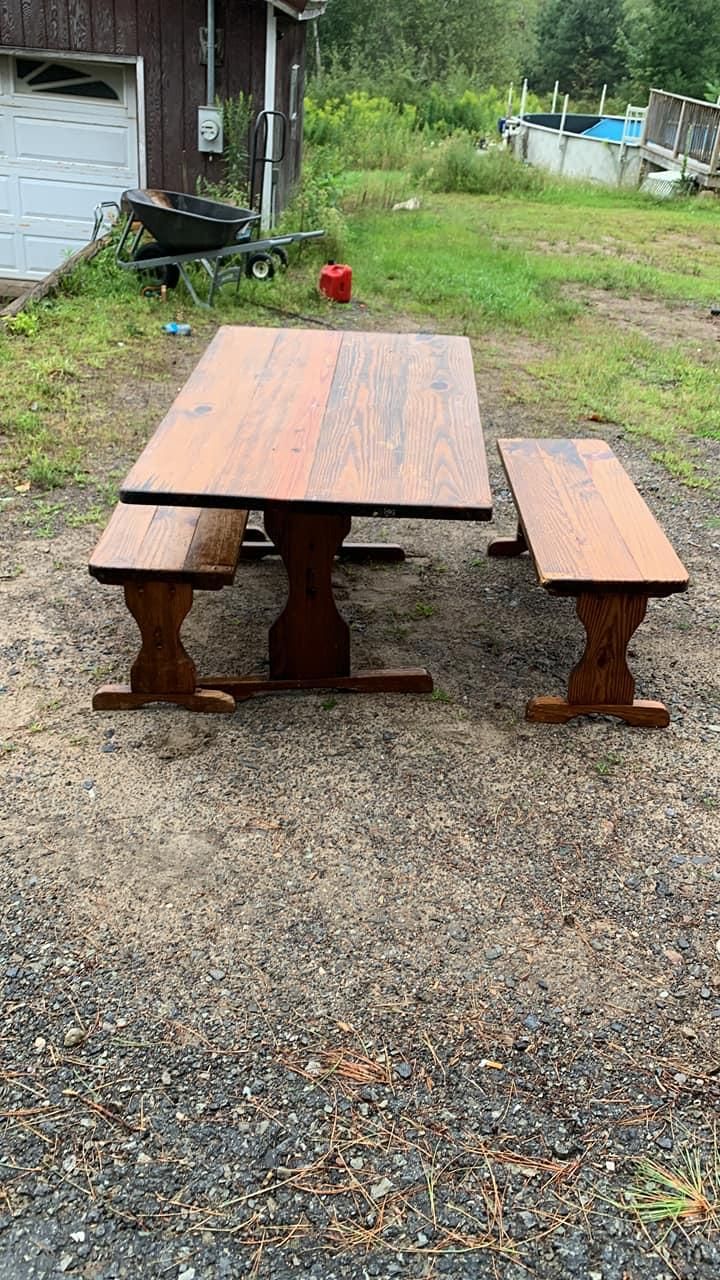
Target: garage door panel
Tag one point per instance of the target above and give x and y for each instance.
(8, 253)
(44, 253)
(68, 202)
(65, 142)
(61, 154)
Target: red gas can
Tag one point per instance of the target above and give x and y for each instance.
(336, 281)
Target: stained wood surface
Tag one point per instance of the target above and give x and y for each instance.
(176, 544)
(610, 620)
(356, 422)
(641, 713)
(310, 639)
(585, 523)
(120, 697)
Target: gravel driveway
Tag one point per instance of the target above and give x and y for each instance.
(347, 986)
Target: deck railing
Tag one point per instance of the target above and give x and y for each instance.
(684, 127)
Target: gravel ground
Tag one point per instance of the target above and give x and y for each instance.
(349, 986)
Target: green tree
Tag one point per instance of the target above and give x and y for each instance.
(579, 45)
(674, 45)
(415, 43)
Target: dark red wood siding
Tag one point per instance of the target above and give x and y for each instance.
(166, 33)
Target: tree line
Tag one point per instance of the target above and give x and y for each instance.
(400, 47)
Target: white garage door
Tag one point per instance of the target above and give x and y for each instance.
(68, 140)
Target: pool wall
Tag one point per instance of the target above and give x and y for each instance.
(537, 140)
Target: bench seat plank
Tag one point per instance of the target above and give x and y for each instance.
(586, 525)
(176, 544)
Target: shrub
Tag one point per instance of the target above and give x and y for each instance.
(314, 204)
(454, 107)
(457, 165)
(368, 132)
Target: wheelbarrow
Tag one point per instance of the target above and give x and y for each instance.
(189, 229)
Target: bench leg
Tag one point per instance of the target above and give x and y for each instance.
(162, 671)
(602, 683)
(509, 546)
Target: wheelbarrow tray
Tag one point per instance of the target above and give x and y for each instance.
(189, 224)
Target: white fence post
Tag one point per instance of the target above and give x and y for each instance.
(555, 97)
(523, 99)
(562, 121)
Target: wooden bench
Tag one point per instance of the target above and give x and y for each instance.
(590, 535)
(160, 555)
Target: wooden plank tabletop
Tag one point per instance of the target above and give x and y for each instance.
(366, 423)
(584, 521)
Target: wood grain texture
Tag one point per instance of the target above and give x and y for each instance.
(641, 713)
(502, 548)
(120, 697)
(602, 674)
(149, 39)
(249, 417)
(585, 523)
(11, 23)
(326, 421)
(402, 419)
(174, 89)
(34, 24)
(126, 26)
(103, 27)
(58, 27)
(162, 665)
(310, 639)
(601, 683)
(174, 544)
(80, 25)
(387, 680)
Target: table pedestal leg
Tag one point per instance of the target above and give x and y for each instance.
(309, 638)
(309, 644)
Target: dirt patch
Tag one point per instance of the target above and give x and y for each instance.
(651, 318)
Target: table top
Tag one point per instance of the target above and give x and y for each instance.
(367, 423)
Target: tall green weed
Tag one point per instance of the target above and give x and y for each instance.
(456, 164)
(314, 205)
(368, 132)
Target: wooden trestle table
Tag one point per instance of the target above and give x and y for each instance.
(312, 428)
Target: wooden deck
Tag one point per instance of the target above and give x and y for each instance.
(683, 131)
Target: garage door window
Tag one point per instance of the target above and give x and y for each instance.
(63, 78)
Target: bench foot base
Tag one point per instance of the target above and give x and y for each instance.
(503, 547)
(642, 713)
(120, 697)
(402, 680)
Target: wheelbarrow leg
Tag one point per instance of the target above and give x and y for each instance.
(191, 288)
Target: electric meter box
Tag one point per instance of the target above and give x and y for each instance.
(210, 130)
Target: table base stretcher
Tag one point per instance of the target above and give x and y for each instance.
(309, 643)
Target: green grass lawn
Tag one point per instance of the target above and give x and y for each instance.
(542, 273)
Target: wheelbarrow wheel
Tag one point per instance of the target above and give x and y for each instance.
(169, 275)
(281, 257)
(260, 266)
